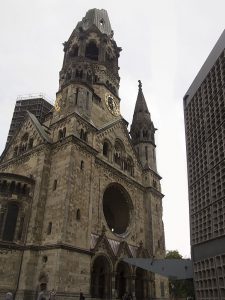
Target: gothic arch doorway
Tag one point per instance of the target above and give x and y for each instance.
(100, 278)
(140, 292)
(122, 279)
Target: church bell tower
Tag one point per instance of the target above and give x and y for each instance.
(90, 70)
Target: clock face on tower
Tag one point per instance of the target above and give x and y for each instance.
(112, 105)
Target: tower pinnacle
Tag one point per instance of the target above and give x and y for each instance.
(139, 84)
(142, 131)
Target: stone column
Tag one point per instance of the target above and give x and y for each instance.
(113, 283)
(81, 51)
(102, 50)
(145, 287)
(132, 286)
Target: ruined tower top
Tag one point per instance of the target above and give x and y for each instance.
(97, 17)
(91, 51)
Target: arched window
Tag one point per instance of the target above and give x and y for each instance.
(83, 135)
(137, 134)
(106, 149)
(69, 74)
(130, 166)
(64, 132)
(89, 76)
(24, 189)
(25, 137)
(10, 222)
(145, 133)
(118, 153)
(82, 165)
(60, 134)
(4, 186)
(31, 141)
(79, 73)
(49, 230)
(18, 188)
(12, 186)
(43, 280)
(91, 51)
(158, 244)
(74, 51)
(78, 214)
(54, 185)
(23, 145)
(15, 151)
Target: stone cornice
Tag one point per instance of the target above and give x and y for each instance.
(25, 155)
(75, 81)
(103, 84)
(17, 177)
(14, 247)
(75, 140)
(155, 191)
(144, 142)
(146, 170)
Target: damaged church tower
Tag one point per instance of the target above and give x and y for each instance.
(77, 194)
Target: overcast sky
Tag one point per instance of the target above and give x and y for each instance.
(165, 42)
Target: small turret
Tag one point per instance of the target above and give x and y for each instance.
(142, 132)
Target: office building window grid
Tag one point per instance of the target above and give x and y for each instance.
(205, 140)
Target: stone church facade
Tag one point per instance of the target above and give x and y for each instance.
(78, 192)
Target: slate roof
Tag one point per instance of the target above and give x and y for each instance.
(39, 127)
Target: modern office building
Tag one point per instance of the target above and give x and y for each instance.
(204, 110)
(37, 104)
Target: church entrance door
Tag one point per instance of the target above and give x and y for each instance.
(139, 284)
(100, 278)
(122, 279)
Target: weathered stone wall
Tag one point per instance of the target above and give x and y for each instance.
(9, 271)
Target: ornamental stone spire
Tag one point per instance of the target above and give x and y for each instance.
(142, 131)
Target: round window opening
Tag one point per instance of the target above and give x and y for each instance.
(117, 208)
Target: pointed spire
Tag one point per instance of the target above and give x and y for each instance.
(141, 105)
(142, 128)
(142, 132)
